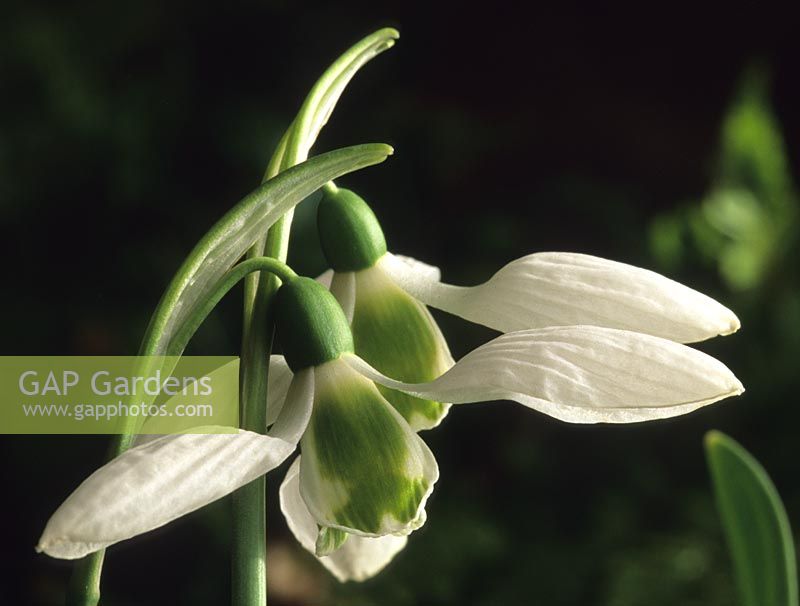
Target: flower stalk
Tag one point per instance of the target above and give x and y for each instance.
(249, 558)
(249, 582)
(84, 584)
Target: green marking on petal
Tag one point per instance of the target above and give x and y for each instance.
(329, 540)
(397, 335)
(363, 467)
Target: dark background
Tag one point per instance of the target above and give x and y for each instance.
(127, 129)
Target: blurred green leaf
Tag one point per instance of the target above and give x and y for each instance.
(755, 523)
(753, 154)
(666, 240)
(748, 218)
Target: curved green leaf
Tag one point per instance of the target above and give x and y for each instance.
(322, 98)
(302, 133)
(236, 231)
(297, 141)
(207, 304)
(755, 523)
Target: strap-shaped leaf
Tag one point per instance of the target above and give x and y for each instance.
(304, 129)
(322, 98)
(233, 234)
(755, 523)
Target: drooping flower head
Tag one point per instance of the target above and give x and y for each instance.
(384, 297)
(392, 330)
(363, 471)
(366, 366)
(364, 476)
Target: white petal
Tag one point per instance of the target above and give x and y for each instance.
(580, 374)
(296, 412)
(358, 559)
(325, 278)
(166, 366)
(280, 377)
(430, 272)
(565, 289)
(153, 484)
(343, 287)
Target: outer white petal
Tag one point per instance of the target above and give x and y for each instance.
(325, 278)
(580, 374)
(170, 403)
(280, 377)
(358, 559)
(296, 412)
(565, 289)
(343, 287)
(431, 272)
(153, 484)
(159, 481)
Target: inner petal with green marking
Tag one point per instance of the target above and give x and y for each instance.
(397, 335)
(363, 470)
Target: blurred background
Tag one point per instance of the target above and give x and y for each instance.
(669, 140)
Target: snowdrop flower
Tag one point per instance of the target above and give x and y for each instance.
(392, 330)
(385, 298)
(579, 374)
(364, 476)
(364, 471)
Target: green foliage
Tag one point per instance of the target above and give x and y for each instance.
(747, 218)
(755, 523)
(230, 237)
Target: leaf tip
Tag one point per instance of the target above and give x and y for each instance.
(713, 439)
(390, 33)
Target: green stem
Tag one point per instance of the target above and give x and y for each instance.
(84, 584)
(249, 558)
(249, 573)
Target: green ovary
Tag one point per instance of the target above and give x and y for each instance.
(358, 455)
(397, 335)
